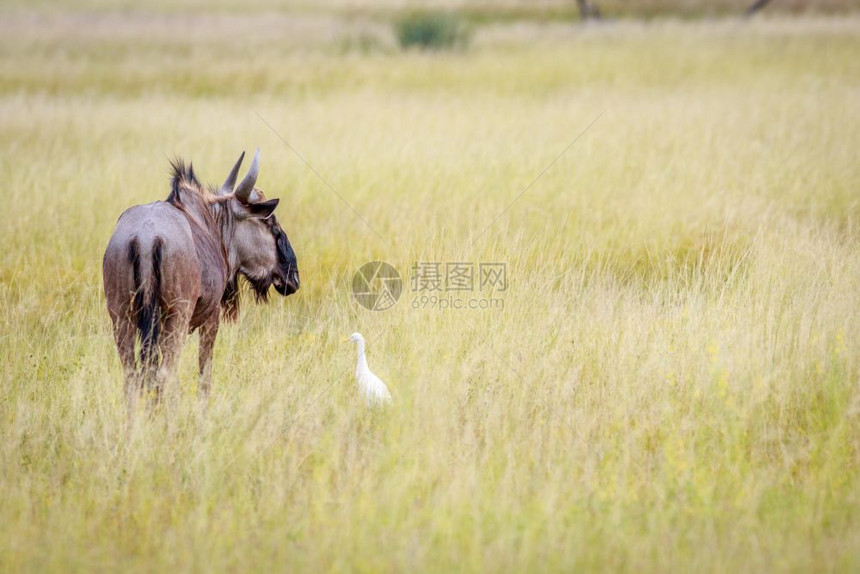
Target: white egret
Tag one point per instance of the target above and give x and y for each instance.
(371, 387)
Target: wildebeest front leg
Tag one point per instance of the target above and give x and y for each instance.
(208, 332)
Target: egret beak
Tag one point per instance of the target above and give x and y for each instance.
(347, 340)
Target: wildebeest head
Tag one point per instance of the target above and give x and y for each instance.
(258, 248)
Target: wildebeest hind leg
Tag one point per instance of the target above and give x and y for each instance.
(174, 331)
(124, 332)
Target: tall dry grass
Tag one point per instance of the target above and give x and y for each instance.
(671, 385)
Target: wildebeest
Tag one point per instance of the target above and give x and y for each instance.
(172, 267)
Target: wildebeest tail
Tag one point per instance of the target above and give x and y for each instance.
(146, 300)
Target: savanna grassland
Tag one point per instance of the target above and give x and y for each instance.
(672, 384)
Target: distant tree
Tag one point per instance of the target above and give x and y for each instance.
(756, 6)
(587, 10)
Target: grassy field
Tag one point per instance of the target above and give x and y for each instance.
(476, 10)
(671, 384)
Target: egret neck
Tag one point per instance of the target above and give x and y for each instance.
(362, 358)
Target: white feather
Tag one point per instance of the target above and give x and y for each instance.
(370, 386)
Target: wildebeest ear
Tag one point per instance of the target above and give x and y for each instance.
(263, 209)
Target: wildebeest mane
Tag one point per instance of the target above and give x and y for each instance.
(231, 298)
(182, 178)
(260, 286)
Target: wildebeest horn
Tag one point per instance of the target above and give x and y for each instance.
(243, 191)
(230, 182)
